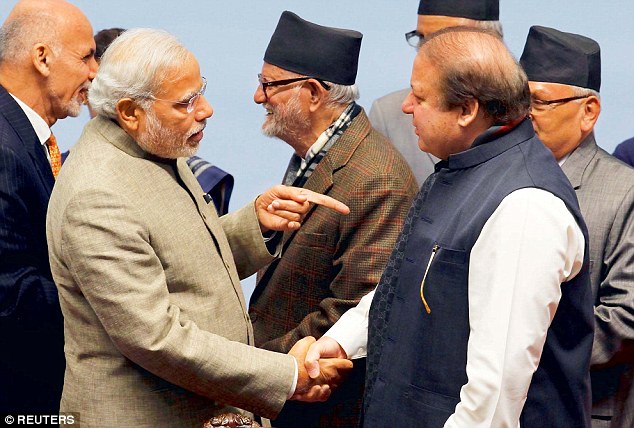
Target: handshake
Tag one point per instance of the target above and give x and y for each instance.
(322, 366)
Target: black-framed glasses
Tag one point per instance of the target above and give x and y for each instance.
(414, 38)
(540, 105)
(286, 82)
(190, 103)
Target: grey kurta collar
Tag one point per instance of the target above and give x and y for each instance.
(115, 135)
(579, 159)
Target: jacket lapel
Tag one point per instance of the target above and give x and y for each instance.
(208, 213)
(576, 164)
(21, 125)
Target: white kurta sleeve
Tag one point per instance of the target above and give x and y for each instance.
(351, 331)
(527, 248)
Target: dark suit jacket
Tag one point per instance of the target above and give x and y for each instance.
(31, 333)
(625, 151)
(334, 260)
(605, 189)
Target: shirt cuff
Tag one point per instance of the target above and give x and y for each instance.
(294, 385)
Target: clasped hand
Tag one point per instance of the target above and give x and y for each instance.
(326, 374)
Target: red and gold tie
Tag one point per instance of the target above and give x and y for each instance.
(56, 157)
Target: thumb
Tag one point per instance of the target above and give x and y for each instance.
(300, 347)
(312, 360)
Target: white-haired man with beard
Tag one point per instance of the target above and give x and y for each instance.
(156, 328)
(307, 86)
(46, 65)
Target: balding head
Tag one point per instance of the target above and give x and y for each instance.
(46, 57)
(37, 21)
(476, 64)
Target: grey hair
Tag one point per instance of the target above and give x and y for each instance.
(493, 26)
(341, 94)
(18, 35)
(578, 91)
(337, 94)
(135, 66)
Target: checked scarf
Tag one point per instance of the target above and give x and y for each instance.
(299, 170)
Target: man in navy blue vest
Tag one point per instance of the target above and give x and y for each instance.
(483, 316)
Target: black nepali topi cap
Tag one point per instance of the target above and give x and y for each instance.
(480, 10)
(326, 53)
(554, 56)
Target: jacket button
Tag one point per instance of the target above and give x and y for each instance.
(253, 316)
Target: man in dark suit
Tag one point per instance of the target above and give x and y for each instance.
(625, 151)
(307, 88)
(44, 76)
(564, 73)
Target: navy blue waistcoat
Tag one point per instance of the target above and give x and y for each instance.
(417, 360)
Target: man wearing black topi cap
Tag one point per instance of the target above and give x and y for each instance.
(564, 72)
(386, 114)
(483, 317)
(307, 87)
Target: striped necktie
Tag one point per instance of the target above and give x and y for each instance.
(56, 157)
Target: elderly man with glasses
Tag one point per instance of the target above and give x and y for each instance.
(386, 114)
(156, 327)
(564, 72)
(307, 88)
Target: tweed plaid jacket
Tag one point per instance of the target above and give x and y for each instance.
(334, 260)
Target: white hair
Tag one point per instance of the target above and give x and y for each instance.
(337, 94)
(578, 91)
(19, 34)
(135, 66)
(342, 94)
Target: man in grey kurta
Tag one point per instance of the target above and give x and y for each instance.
(564, 73)
(386, 115)
(155, 322)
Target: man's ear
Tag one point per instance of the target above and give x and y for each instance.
(128, 114)
(317, 94)
(591, 111)
(42, 56)
(468, 112)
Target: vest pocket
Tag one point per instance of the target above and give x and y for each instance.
(428, 407)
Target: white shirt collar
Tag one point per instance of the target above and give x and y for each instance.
(563, 160)
(39, 125)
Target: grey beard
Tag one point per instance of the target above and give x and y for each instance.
(160, 141)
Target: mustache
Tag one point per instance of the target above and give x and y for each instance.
(85, 87)
(198, 128)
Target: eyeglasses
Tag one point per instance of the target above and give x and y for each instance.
(190, 103)
(286, 82)
(414, 38)
(543, 105)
